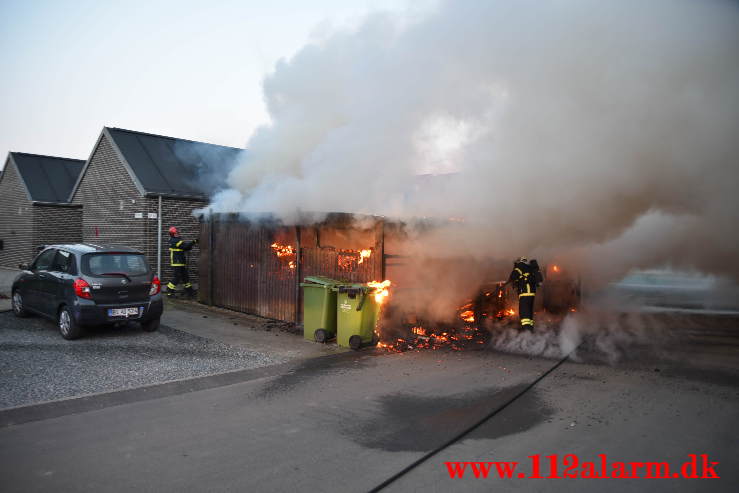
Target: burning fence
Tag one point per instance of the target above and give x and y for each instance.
(256, 266)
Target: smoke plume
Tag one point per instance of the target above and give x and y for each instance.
(594, 131)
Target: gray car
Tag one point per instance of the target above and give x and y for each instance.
(83, 285)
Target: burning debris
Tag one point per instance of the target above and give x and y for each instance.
(456, 339)
(487, 319)
(349, 260)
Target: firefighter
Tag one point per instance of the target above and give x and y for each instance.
(177, 249)
(526, 277)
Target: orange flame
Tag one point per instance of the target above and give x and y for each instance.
(283, 251)
(348, 260)
(555, 268)
(363, 254)
(381, 290)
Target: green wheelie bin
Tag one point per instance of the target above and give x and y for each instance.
(319, 308)
(356, 315)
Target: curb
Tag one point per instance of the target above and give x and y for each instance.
(74, 405)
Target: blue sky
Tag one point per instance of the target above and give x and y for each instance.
(191, 69)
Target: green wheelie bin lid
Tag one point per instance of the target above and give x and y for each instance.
(323, 281)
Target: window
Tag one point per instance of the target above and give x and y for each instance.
(98, 264)
(45, 259)
(64, 262)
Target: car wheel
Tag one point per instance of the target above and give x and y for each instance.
(151, 325)
(18, 308)
(68, 327)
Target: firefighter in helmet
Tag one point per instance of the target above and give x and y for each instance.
(178, 261)
(526, 277)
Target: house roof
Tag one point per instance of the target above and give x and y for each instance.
(174, 167)
(47, 178)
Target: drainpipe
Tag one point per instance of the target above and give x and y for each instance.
(159, 239)
(211, 254)
(298, 275)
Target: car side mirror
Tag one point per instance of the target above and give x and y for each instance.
(24, 267)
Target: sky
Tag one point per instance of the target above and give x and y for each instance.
(188, 69)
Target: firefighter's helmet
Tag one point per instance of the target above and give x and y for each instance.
(520, 260)
(173, 231)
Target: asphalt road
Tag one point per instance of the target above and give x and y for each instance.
(351, 421)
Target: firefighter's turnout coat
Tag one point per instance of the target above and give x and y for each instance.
(526, 278)
(177, 249)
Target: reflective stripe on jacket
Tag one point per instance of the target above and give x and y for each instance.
(177, 249)
(524, 278)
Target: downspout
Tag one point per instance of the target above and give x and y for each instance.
(211, 245)
(298, 275)
(159, 239)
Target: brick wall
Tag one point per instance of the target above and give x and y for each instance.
(110, 200)
(175, 212)
(56, 224)
(16, 224)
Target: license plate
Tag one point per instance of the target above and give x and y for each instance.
(124, 312)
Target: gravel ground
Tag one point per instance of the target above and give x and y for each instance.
(37, 365)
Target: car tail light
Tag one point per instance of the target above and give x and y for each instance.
(156, 286)
(82, 289)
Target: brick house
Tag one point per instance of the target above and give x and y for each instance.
(34, 205)
(136, 185)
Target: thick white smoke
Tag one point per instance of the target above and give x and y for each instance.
(606, 129)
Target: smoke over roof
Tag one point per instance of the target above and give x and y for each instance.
(594, 130)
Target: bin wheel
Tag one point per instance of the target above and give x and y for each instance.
(320, 335)
(355, 342)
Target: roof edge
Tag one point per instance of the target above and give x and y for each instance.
(55, 204)
(174, 138)
(137, 183)
(104, 133)
(20, 175)
(83, 172)
(169, 195)
(47, 155)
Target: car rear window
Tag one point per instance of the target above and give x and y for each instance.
(96, 264)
